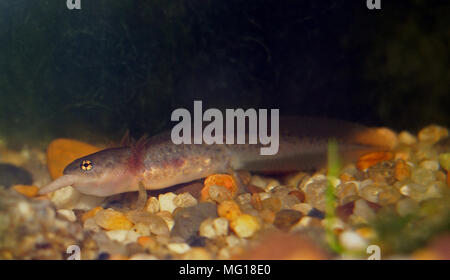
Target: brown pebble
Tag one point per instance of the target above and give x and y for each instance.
(272, 203)
(256, 202)
(254, 189)
(345, 211)
(286, 218)
(299, 194)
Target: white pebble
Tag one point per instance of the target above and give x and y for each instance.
(152, 205)
(117, 235)
(221, 226)
(352, 241)
(67, 214)
(167, 217)
(430, 164)
(185, 200)
(166, 202)
(178, 248)
(66, 197)
(123, 235)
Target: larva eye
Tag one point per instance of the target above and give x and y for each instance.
(86, 165)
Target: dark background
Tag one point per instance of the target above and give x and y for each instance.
(91, 74)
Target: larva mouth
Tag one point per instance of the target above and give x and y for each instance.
(59, 183)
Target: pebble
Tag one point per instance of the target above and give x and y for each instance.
(254, 189)
(167, 217)
(110, 219)
(271, 184)
(382, 172)
(316, 214)
(244, 199)
(188, 220)
(345, 211)
(315, 193)
(288, 196)
(67, 214)
(197, 253)
(178, 248)
(264, 195)
(352, 241)
(224, 180)
(372, 159)
(381, 194)
(432, 134)
(166, 202)
(389, 195)
(219, 193)
(26, 190)
(430, 164)
(245, 225)
(207, 229)
(406, 138)
(152, 205)
(233, 240)
(123, 236)
(285, 219)
(401, 170)
(272, 203)
(362, 211)
(147, 242)
(229, 210)
(212, 228)
(141, 228)
(267, 216)
(304, 208)
(415, 191)
(90, 214)
(423, 176)
(185, 200)
(296, 179)
(158, 225)
(66, 197)
(256, 202)
(300, 195)
(346, 190)
(258, 181)
(90, 225)
(435, 190)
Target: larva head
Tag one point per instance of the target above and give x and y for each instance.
(101, 174)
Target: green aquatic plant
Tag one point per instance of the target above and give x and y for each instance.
(404, 234)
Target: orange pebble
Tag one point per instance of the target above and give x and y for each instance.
(118, 257)
(223, 180)
(229, 210)
(62, 151)
(30, 191)
(371, 159)
(146, 241)
(91, 213)
(402, 170)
